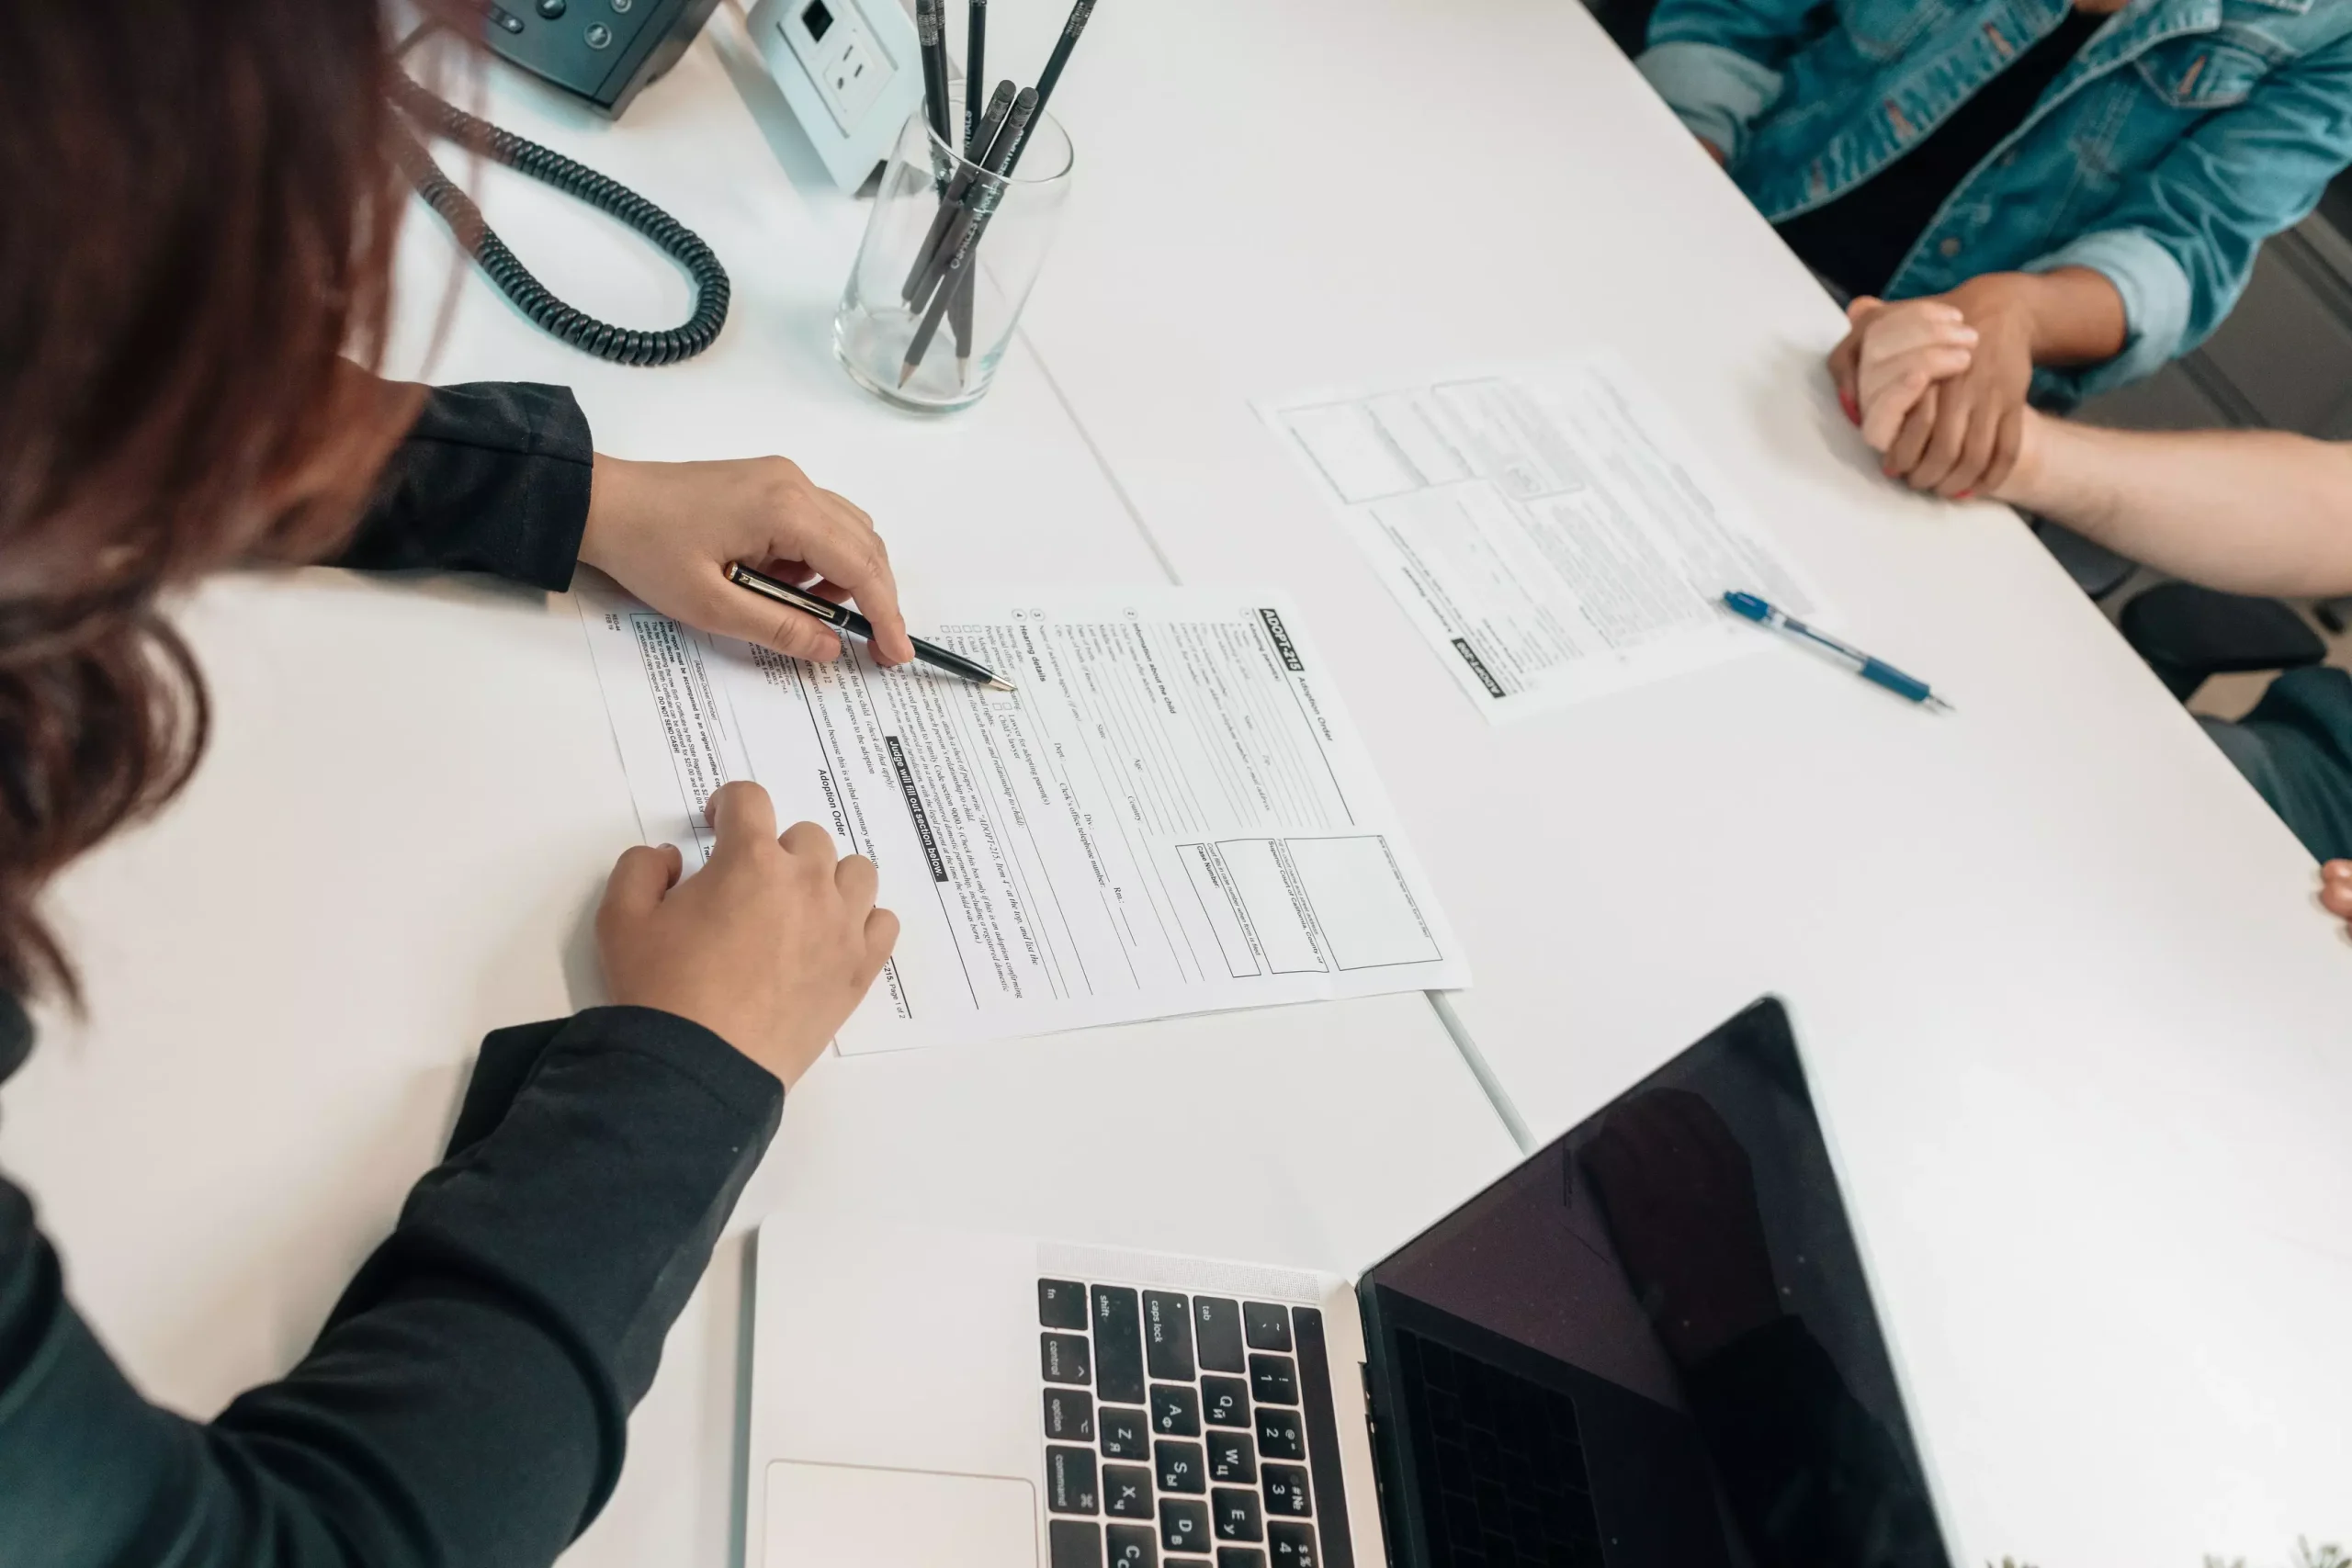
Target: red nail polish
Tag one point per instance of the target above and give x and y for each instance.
(1853, 411)
(1965, 495)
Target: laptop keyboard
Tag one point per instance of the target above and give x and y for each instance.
(1187, 1432)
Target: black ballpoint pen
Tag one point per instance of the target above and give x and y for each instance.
(842, 618)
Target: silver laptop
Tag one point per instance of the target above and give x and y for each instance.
(1651, 1343)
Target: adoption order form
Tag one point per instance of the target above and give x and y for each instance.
(1170, 815)
(1550, 531)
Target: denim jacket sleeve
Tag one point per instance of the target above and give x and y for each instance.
(2180, 242)
(1717, 62)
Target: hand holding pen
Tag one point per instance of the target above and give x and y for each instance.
(668, 531)
(842, 618)
(676, 535)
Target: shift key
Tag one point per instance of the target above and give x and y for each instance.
(1119, 1346)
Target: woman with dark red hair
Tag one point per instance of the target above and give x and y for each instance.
(201, 199)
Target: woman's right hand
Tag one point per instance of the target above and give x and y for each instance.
(667, 531)
(770, 946)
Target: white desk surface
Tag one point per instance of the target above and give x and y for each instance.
(2077, 1023)
(2070, 1016)
(412, 797)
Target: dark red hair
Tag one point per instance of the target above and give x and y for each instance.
(198, 209)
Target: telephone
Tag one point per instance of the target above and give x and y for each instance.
(601, 52)
(846, 67)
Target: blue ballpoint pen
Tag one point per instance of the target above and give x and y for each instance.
(1875, 670)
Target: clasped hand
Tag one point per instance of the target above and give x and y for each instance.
(1939, 386)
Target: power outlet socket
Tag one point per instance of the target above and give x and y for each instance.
(849, 70)
(852, 79)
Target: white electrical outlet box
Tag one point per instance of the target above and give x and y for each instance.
(849, 71)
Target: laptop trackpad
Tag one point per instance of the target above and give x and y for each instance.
(843, 1516)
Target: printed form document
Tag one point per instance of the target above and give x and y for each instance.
(1170, 815)
(1549, 531)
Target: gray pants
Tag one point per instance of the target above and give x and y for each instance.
(2295, 749)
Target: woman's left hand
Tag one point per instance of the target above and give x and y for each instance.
(667, 532)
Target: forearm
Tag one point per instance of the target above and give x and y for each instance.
(2179, 239)
(2078, 317)
(2072, 315)
(2246, 511)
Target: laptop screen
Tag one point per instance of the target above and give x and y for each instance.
(1651, 1343)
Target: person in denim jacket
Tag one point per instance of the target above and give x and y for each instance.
(2104, 217)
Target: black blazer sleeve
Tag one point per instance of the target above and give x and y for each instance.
(467, 1402)
(494, 476)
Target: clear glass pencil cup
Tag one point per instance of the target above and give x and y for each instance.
(950, 254)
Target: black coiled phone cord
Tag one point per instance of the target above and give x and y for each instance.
(584, 331)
